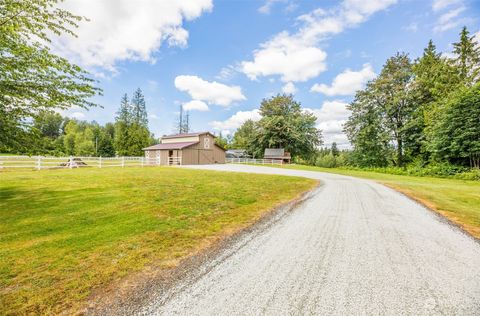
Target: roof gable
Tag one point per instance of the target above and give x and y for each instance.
(187, 135)
(171, 146)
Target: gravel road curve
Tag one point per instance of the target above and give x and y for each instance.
(355, 248)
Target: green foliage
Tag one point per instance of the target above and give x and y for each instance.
(222, 141)
(457, 138)
(139, 110)
(105, 141)
(467, 59)
(425, 113)
(283, 125)
(79, 139)
(364, 129)
(242, 139)
(131, 126)
(32, 79)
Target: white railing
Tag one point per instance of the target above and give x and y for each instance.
(174, 161)
(40, 162)
(255, 161)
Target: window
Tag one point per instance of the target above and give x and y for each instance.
(206, 142)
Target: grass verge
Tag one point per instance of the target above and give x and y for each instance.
(457, 200)
(66, 233)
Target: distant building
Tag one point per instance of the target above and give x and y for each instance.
(277, 154)
(186, 149)
(237, 153)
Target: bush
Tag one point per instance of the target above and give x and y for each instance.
(440, 170)
(330, 161)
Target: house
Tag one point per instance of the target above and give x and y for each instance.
(277, 154)
(186, 149)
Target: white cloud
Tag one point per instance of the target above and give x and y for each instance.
(477, 37)
(442, 4)
(210, 92)
(412, 27)
(121, 30)
(287, 57)
(267, 6)
(153, 116)
(226, 73)
(77, 115)
(330, 119)
(195, 105)
(296, 57)
(347, 82)
(236, 120)
(449, 20)
(289, 88)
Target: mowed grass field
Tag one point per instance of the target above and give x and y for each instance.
(458, 200)
(66, 233)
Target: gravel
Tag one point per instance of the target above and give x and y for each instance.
(355, 248)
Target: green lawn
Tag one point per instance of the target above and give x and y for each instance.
(65, 233)
(458, 200)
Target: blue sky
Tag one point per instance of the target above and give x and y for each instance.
(221, 58)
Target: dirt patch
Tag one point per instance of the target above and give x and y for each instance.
(129, 295)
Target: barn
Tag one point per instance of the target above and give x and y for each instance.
(277, 154)
(186, 149)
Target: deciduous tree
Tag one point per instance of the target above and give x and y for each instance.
(32, 78)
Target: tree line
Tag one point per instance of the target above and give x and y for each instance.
(50, 133)
(420, 112)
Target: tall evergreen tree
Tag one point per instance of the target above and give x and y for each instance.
(138, 109)
(334, 149)
(123, 121)
(435, 79)
(467, 58)
(457, 138)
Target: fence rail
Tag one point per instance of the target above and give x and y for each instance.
(174, 161)
(254, 161)
(40, 162)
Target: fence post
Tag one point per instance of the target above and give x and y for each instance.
(123, 161)
(100, 162)
(70, 163)
(39, 162)
(142, 161)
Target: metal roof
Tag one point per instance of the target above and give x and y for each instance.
(170, 146)
(186, 135)
(274, 152)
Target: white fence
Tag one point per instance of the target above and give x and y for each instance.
(255, 161)
(40, 162)
(174, 161)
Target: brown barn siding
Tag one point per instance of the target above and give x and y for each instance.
(195, 154)
(189, 156)
(163, 157)
(218, 154)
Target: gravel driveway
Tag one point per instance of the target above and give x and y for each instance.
(355, 248)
